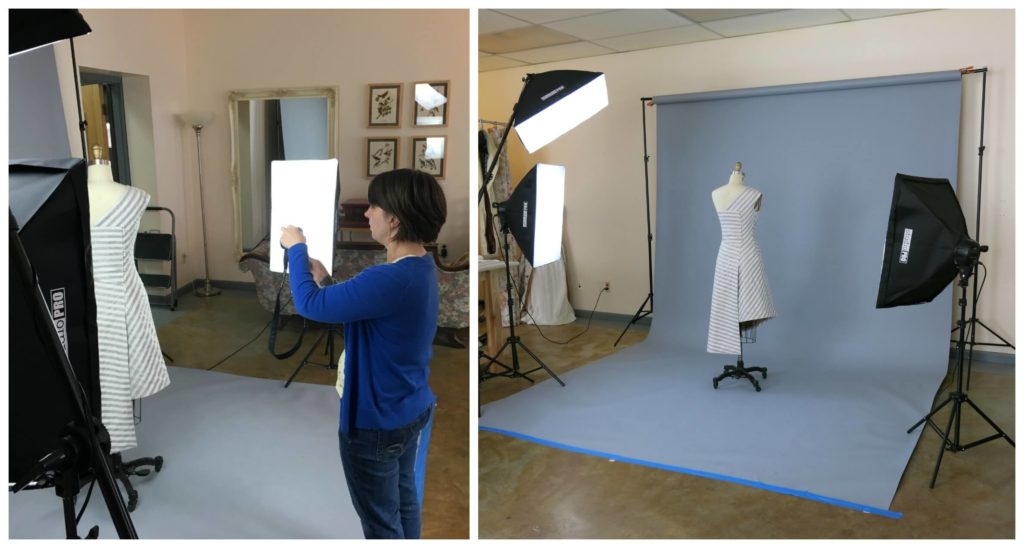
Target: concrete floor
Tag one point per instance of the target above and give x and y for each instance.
(201, 332)
(529, 490)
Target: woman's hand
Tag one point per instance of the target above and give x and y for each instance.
(291, 235)
(316, 268)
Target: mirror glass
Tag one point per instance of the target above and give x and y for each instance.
(268, 125)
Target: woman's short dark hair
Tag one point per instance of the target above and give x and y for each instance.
(415, 198)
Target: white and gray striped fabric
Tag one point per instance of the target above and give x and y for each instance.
(131, 363)
(740, 292)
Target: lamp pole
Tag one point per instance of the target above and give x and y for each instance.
(207, 290)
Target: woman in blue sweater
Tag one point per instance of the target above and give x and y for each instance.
(390, 316)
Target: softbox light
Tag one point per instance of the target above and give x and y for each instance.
(533, 214)
(926, 232)
(554, 102)
(49, 201)
(30, 29)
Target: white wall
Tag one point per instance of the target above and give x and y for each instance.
(195, 57)
(605, 232)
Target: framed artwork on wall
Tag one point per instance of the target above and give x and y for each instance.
(385, 105)
(430, 104)
(381, 155)
(428, 154)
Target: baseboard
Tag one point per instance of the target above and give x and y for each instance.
(611, 318)
(987, 356)
(223, 284)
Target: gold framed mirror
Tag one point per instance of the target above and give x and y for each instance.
(267, 125)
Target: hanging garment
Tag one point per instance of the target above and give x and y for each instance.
(131, 363)
(547, 294)
(740, 292)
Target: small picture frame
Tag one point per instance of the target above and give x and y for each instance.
(428, 155)
(385, 105)
(381, 155)
(426, 110)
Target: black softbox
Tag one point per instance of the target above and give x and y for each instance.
(926, 229)
(533, 213)
(49, 206)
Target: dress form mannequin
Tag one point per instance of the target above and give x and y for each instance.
(104, 192)
(725, 195)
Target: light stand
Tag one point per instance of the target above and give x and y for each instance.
(973, 321)
(329, 332)
(198, 121)
(84, 442)
(513, 342)
(959, 397)
(640, 312)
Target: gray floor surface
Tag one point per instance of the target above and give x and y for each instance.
(244, 458)
(824, 433)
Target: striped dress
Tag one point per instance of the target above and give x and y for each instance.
(131, 363)
(740, 292)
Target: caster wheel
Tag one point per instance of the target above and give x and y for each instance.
(716, 384)
(757, 386)
(764, 374)
(133, 501)
(159, 463)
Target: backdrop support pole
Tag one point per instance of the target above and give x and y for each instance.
(973, 320)
(640, 312)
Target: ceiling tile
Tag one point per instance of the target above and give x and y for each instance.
(491, 21)
(532, 37)
(560, 53)
(547, 16)
(618, 23)
(703, 16)
(775, 21)
(658, 38)
(495, 62)
(871, 14)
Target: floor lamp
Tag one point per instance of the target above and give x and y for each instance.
(199, 120)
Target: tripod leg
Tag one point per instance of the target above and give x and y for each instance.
(992, 424)
(633, 321)
(945, 439)
(928, 416)
(305, 358)
(535, 358)
(994, 334)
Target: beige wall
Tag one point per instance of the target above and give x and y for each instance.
(195, 57)
(605, 232)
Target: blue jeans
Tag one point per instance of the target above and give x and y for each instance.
(382, 468)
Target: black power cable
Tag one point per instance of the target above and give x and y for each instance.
(537, 327)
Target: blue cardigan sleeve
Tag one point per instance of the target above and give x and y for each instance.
(374, 293)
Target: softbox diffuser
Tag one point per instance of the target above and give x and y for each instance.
(534, 214)
(925, 226)
(49, 200)
(304, 193)
(554, 102)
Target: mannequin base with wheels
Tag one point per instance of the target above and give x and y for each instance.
(738, 371)
(748, 334)
(122, 470)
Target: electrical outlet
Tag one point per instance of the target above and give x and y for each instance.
(184, 258)
(579, 285)
(607, 286)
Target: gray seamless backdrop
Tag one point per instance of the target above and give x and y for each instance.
(845, 380)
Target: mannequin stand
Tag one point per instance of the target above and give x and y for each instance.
(329, 332)
(122, 470)
(739, 371)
